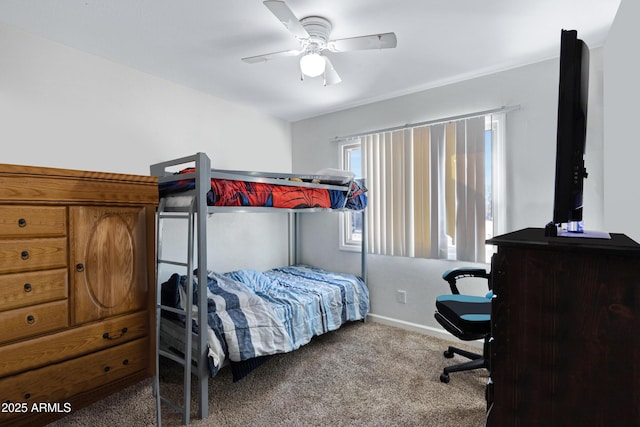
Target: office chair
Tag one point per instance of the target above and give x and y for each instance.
(467, 317)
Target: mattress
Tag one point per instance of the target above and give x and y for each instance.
(255, 314)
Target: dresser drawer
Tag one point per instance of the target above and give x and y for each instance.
(55, 384)
(27, 289)
(32, 221)
(32, 254)
(67, 344)
(28, 321)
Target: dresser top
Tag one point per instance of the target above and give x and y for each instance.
(536, 237)
(20, 170)
(31, 184)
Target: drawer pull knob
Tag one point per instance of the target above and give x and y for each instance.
(125, 362)
(79, 267)
(31, 319)
(22, 222)
(24, 255)
(108, 336)
(107, 368)
(27, 287)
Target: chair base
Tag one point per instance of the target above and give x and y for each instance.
(477, 362)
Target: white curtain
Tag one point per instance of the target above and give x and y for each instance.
(427, 191)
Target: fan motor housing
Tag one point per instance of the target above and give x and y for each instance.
(318, 28)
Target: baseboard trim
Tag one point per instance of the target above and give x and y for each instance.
(415, 327)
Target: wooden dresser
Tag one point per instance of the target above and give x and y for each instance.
(77, 280)
(566, 331)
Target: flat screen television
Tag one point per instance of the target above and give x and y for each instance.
(573, 94)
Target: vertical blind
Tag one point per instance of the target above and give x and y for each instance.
(427, 191)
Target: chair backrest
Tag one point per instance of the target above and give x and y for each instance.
(453, 275)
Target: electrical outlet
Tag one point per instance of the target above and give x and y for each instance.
(401, 296)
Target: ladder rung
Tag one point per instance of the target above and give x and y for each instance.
(172, 309)
(172, 356)
(174, 405)
(173, 215)
(166, 261)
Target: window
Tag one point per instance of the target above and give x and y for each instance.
(434, 191)
(351, 224)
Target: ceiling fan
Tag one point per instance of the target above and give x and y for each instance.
(313, 33)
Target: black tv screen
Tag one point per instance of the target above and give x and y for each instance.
(571, 131)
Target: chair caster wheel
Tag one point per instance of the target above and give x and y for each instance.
(444, 378)
(448, 354)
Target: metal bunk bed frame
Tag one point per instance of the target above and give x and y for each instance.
(195, 345)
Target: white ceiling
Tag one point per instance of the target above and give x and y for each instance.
(199, 43)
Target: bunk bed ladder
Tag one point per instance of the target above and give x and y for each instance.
(185, 359)
(196, 223)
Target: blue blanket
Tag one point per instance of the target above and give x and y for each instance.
(253, 314)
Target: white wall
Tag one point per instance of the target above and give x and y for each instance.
(530, 171)
(60, 107)
(622, 147)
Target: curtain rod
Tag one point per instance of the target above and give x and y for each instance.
(503, 109)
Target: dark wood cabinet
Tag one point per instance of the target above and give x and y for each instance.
(566, 331)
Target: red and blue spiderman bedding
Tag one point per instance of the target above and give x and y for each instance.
(240, 193)
(225, 192)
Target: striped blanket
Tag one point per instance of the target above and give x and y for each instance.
(253, 314)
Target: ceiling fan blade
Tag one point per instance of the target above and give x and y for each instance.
(270, 56)
(373, 41)
(288, 19)
(331, 77)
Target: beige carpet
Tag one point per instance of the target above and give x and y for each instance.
(365, 374)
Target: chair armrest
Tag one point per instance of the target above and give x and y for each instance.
(452, 276)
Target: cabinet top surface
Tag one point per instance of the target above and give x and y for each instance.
(534, 237)
(37, 185)
(20, 170)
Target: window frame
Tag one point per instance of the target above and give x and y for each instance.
(346, 238)
(498, 186)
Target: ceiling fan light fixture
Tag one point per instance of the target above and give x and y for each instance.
(313, 35)
(312, 64)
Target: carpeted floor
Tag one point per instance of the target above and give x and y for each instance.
(365, 374)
